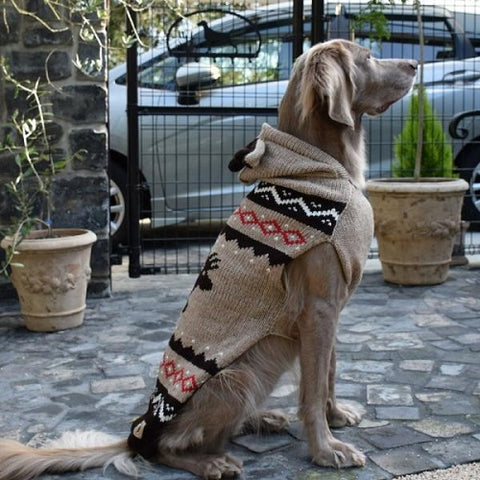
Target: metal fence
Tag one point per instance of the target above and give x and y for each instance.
(213, 74)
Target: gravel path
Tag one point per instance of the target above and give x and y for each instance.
(470, 471)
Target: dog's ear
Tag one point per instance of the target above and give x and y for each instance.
(327, 78)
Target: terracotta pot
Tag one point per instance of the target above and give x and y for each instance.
(415, 225)
(51, 277)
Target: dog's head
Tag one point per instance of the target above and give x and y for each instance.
(343, 79)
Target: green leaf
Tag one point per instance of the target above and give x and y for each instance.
(60, 164)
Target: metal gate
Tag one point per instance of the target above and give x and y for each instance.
(191, 106)
(200, 92)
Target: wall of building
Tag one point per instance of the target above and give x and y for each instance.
(77, 104)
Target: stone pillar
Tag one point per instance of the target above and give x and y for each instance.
(73, 72)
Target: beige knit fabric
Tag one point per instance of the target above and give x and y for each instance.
(304, 197)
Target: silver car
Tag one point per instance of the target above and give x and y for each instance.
(218, 80)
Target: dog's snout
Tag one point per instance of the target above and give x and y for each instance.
(408, 67)
(413, 64)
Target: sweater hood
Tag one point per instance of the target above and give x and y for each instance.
(279, 155)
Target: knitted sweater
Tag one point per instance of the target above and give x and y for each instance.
(304, 197)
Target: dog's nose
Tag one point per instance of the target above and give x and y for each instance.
(413, 64)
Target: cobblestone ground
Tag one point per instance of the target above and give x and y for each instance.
(408, 358)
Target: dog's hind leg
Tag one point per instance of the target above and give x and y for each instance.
(207, 466)
(195, 440)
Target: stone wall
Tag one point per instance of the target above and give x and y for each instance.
(77, 101)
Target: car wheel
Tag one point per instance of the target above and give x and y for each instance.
(118, 205)
(468, 164)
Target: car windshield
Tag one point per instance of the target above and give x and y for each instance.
(243, 59)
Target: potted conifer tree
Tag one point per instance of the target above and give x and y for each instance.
(417, 216)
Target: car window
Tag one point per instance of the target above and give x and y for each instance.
(239, 71)
(273, 60)
(403, 41)
(159, 74)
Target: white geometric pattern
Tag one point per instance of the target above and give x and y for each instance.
(332, 212)
(160, 409)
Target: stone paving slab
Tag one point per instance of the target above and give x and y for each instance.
(407, 358)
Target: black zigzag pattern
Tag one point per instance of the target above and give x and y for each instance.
(275, 257)
(197, 359)
(319, 213)
(203, 281)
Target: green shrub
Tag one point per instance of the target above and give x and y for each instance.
(437, 155)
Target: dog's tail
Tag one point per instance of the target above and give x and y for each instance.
(72, 451)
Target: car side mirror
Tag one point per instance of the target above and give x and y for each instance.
(191, 78)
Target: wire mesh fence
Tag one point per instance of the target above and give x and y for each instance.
(210, 74)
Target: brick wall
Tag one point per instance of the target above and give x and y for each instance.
(78, 103)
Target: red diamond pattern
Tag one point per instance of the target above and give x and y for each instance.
(270, 227)
(188, 383)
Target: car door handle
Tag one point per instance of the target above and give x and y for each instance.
(462, 76)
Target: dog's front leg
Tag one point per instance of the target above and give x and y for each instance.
(317, 327)
(320, 293)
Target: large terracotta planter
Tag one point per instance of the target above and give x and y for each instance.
(51, 277)
(415, 226)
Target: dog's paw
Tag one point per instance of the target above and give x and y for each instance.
(266, 421)
(342, 415)
(273, 421)
(340, 455)
(222, 466)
